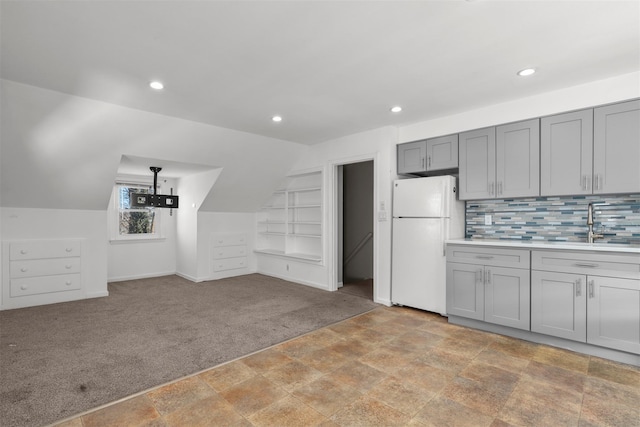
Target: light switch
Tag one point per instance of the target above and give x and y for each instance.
(382, 215)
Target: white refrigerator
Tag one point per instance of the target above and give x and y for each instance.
(426, 212)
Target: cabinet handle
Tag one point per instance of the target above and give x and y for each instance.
(579, 287)
(422, 162)
(484, 256)
(24, 270)
(591, 292)
(500, 188)
(428, 161)
(585, 264)
(24, 287)
(24, 251)
(597, 181)
(478, 275)
(68, 266)
(68, 283)
(68, 249)
(492, 188)
(488, 277)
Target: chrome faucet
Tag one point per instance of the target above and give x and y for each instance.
(591, 236)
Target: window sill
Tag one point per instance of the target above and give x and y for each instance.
(144, 240)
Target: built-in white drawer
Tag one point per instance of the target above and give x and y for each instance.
(229, 239)
(229, 264)
(229, 252)
(45, 284)
(514, 258)
(625, 266)
(44, 249)
(44, 267)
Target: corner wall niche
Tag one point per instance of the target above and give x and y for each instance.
(290, 223)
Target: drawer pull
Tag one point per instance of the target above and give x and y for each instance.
(591, 292)
(24, 287)
(24, 251)
(484, 256)
(69, 249)
(585, 264)
(579, 287)
(68, 283)
(68, 266)
(24, 269)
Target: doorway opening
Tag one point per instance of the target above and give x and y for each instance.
(355, 228)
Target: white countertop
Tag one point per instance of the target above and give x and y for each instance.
(529, 244)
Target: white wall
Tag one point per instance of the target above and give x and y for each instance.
(129, 259)
(210, 223)
(377, 145)
(587, 95)
(36, 224)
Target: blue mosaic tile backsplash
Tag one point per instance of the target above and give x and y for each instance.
(556, 218)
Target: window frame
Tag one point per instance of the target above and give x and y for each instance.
(116, 236)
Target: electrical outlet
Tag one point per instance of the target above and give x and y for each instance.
(487, 220)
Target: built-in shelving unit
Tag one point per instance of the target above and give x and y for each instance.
(290, 223)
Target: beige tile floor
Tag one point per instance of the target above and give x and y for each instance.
(393, 367)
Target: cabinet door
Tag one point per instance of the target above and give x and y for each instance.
(616, 148)
(412, 157)
(477, 155)
(566, 154)
(559, 304)
(518, 159)
(507, 297)
(613, 313)
(442, 153)
(465, 290)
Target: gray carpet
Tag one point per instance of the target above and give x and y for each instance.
(62, 359)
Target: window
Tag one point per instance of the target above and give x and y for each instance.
(135, 222)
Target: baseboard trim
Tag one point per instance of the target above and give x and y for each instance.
(140, 276)
(294, 280)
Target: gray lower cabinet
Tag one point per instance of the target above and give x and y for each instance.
(487, 287)
(613, 313)
(559, 304)
(587, 297)
(421, 157)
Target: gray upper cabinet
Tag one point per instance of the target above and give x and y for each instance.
(616, 148)
(518, 159)
(477, 156)
(501, 161)
(442, 152)
(412, 157)
(566, 154)
(421, 157)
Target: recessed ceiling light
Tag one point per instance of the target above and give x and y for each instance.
(156, 85)
(396, 109)
(276, 119)
(526, 72)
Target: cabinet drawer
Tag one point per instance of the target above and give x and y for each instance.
(229, 252)
(599, 264)
(43, 267)
(44, 249)
(514, 258)
(231, 239)
(229, 264)
(44, 284)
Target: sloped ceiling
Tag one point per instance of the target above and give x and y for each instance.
(330, 68)
(64, 152)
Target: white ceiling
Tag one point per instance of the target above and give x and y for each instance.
(330, 68)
